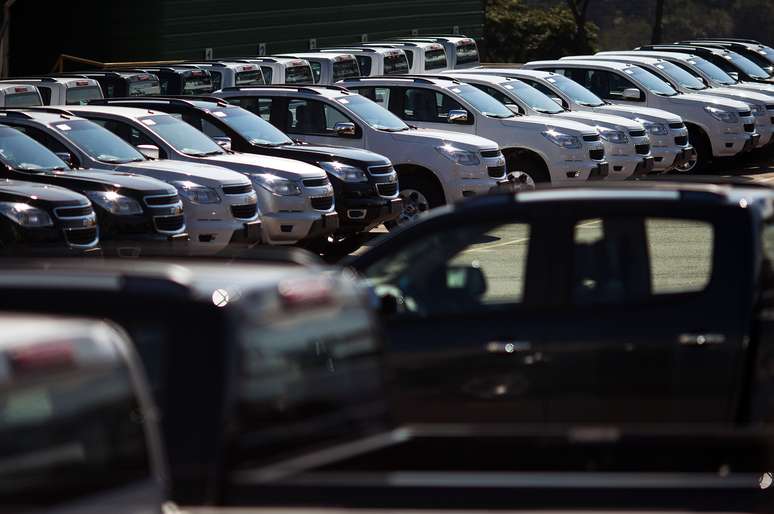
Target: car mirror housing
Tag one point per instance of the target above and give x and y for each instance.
(66, 157)
(632, 93)
(458, 116)
(345, 129)
(149, 151)
(734, 75)
(223, 141)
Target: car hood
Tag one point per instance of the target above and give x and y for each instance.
(741, 95)
(252, 163)
(113, 179)
(753, 86)
(343, 152)
(610, 121)
(19, 190)
(570, 127)
(204, 174)
(694, 99)
(642, 113)
(461, 140)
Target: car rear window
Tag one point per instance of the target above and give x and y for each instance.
(396, 64)
(364, 62)
(249, 78)
(82, 95)
(435, 59)
(144, 87)
(299, 75)
(467, 53)
(22, 99)
(345, 68)
(197, 83)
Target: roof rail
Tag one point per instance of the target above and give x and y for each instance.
(418, 79)
(309, 88)
(172, 99)
(42, 78)
(43, 108)
(360, 47)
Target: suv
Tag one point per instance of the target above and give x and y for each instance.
(281, 70)
(19, 95)
(461, 51)
(546, 149)
(38, 219)
(220, 205)
(121, 83)
(365, 184)
(434, 167)
(329, 67)
(226, 74)
(755, 52)
(668, 135)
(423, 56)
(178, 80)
(136, 214)
(375, 62)
(295, 199)
(717, 127)
(61, 90)
(77, 419)
(626, 141)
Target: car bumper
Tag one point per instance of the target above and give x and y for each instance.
(735, 143)
(569, 172)
(765, 128)
(625, 166)
(363, 215)
(666, 158)
(285, 228)
(147, 245)
(469, 187)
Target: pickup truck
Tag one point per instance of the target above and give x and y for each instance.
(61, 90)
(717, 127)
(328, 68)
(375, 62)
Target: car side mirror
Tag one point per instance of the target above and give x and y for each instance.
(458, 116)
(514, 109)
(468, 278)
(344, 129)
(734, 75)
(632, 93)
(66, 157)
(223, 141)
(556, 99)
(149, 151)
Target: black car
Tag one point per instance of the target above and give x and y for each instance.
(736, 65)
(135, 214)
(178, 80)
(365, 183)
(121, 83)
(39, 219)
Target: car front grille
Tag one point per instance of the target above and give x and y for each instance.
(597, 155)
(677, 125)
(642, 149)
(488, 154)
(73, 212)
(496, 171)
(82, 236)
(322, 203)
(591, 137)
(389, 189)
(770, 107)
(681, 140)
(749, 127)
(244, 211)
(159, 200)
(637, 133)
(169, 223)
(380, 170)
(316, 182)
(745, 114)
(237, 190)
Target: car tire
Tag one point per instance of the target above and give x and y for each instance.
(531, 166)
(419, 194)
(703, 148)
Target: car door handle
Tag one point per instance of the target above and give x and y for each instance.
(508, 346)
(701, 339)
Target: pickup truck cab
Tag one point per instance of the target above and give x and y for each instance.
(461, 51)
(295, 199)
(668, 135)
(220, 205)
(281, 70)
(364, 183)
(375, 62)
(135, 214)
(61, 90)
(627, 145)
(75, 405)
(685, 82)
(756, 52)
(19, 95)
(717, 127)
(179, 80)
(121, 83)
(434, 167)
(546, 149)
(423, 56)
(227, 74)
(328, 68)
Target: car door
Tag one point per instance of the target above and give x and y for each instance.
(426, 108)
(313, 121)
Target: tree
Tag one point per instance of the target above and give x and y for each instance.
(658, 23)
(579, 10)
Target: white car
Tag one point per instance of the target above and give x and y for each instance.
(375, 62)
(546, 149)
(423, 56)
(62, 90)
(434, 167)
(19, 95)
(295, 199)
(280, 70)
(228, 74)
(461, 51)
(668, 135)
(684, 82)
(220, 205)
(717, 127)
(329, 67)
(626, 142)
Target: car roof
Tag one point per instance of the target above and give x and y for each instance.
(43, 80)
(127, 112)
(304, 89)
(645, 59)
(45, 116)
(480, 77)
(406, 44)
(272, 59)
(608, 64)
(361, 49)
(520, 71)
(328, 56)
(653, 53)
(437, 80)
(194, 102)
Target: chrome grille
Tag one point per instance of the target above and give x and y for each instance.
(597, 155)
(591, 137)
(169, 224)
(642, 149)
(637, 133)
(161, 200)
(676, 125)
(744, 114)
(244, 211)
(316, 182)
(322, 203)
(389, 189)
(490, 153)
(237, 190)
(380, 170)
(681, 140)
(73, 212)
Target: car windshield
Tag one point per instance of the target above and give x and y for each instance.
(181, 136)
(98, 142)
(574, 91)
(534, 99)
(650, 82)
(251, 127)
(373, 114)
(712, 71)
(24, 153)
(746, 65)
(680, 76)
(482, 102)
(82, 95)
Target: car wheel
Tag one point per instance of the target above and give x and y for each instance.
(689, 165)
(530, 166)
(703, 151)
(419, 195)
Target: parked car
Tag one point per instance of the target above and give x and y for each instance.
(461, 51)
(45, 220)
(766, 50)
(281, 70)
(220, 205)
(434, 167)
(684, 82)
(546, 149)
(247, 362)
(79, 427)
(135, 214)
(61, 90)
(19, 95)
(365, 184)
(668, 136)
(717, 127)
(178, 80)
(755, 52)
(375, 62)
(423, 56)
(120, 83)
(295, 199)
(328, 68)
(227, 74)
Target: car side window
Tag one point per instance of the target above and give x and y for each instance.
(313, 117)
(211, 130)
(427, 105)
(259, 106)
(498, 95)
(605, 84)
(268, 73)
(540, 87)
(380, 95)
(45, 93)
(465, 269)
(364, 63)
(44, 139)
(217, 80)
(316, 71)
(126, 132)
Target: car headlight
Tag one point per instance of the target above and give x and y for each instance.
(277, 185)
(722, 115)
(758, 110)
(196, 193)
(657, 129)
(119, 205)
(25, 215)
(563, 140)
(613, 136)
(463, 157)
(344, 172)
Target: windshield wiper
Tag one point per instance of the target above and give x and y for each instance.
(386, 129)
(204, 154)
